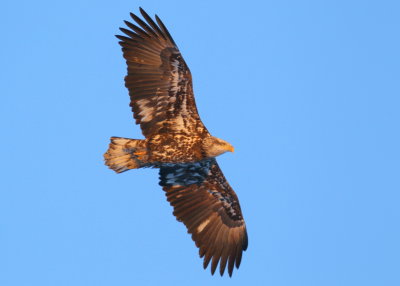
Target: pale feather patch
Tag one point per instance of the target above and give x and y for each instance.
(179, 123)
(174, 76)
(184, 106)
(146, 113)
(202, 225)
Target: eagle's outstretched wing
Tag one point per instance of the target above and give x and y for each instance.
(159, 81)
(204, 201)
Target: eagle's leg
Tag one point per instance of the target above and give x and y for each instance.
(124, 154)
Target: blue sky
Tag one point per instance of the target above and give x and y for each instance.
(307, 91)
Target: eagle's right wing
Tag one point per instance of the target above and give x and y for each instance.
(159, 81)
(204, 201)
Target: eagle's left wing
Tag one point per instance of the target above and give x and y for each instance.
(204, 201)
(158, 79)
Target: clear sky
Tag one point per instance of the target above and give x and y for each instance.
(307, 91)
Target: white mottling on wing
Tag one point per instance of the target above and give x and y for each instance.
(174, 76)
(146, 113)
(184, 107)
(179, 122)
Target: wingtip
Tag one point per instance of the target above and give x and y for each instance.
(133, 16)
(214, 264)
(143, 12)
(245, 241)
(230, 274)
(221, 271)
(206, 261)
(238, 259)
(121, 38)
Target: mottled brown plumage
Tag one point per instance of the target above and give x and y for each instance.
(177, 142)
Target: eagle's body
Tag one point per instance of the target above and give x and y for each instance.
(125, 153)
(180, 148)
(176, 148)
(177, 142)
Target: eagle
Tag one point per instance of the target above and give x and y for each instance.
(177, 143)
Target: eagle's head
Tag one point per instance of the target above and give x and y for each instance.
(214, 146)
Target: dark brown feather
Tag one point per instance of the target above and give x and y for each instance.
(139, 32)
(165, 30)
(152, 24)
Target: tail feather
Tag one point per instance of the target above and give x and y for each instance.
(121, 156)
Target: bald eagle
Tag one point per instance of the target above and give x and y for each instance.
(177, 142)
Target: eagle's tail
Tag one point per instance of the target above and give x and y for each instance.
(124, 154)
